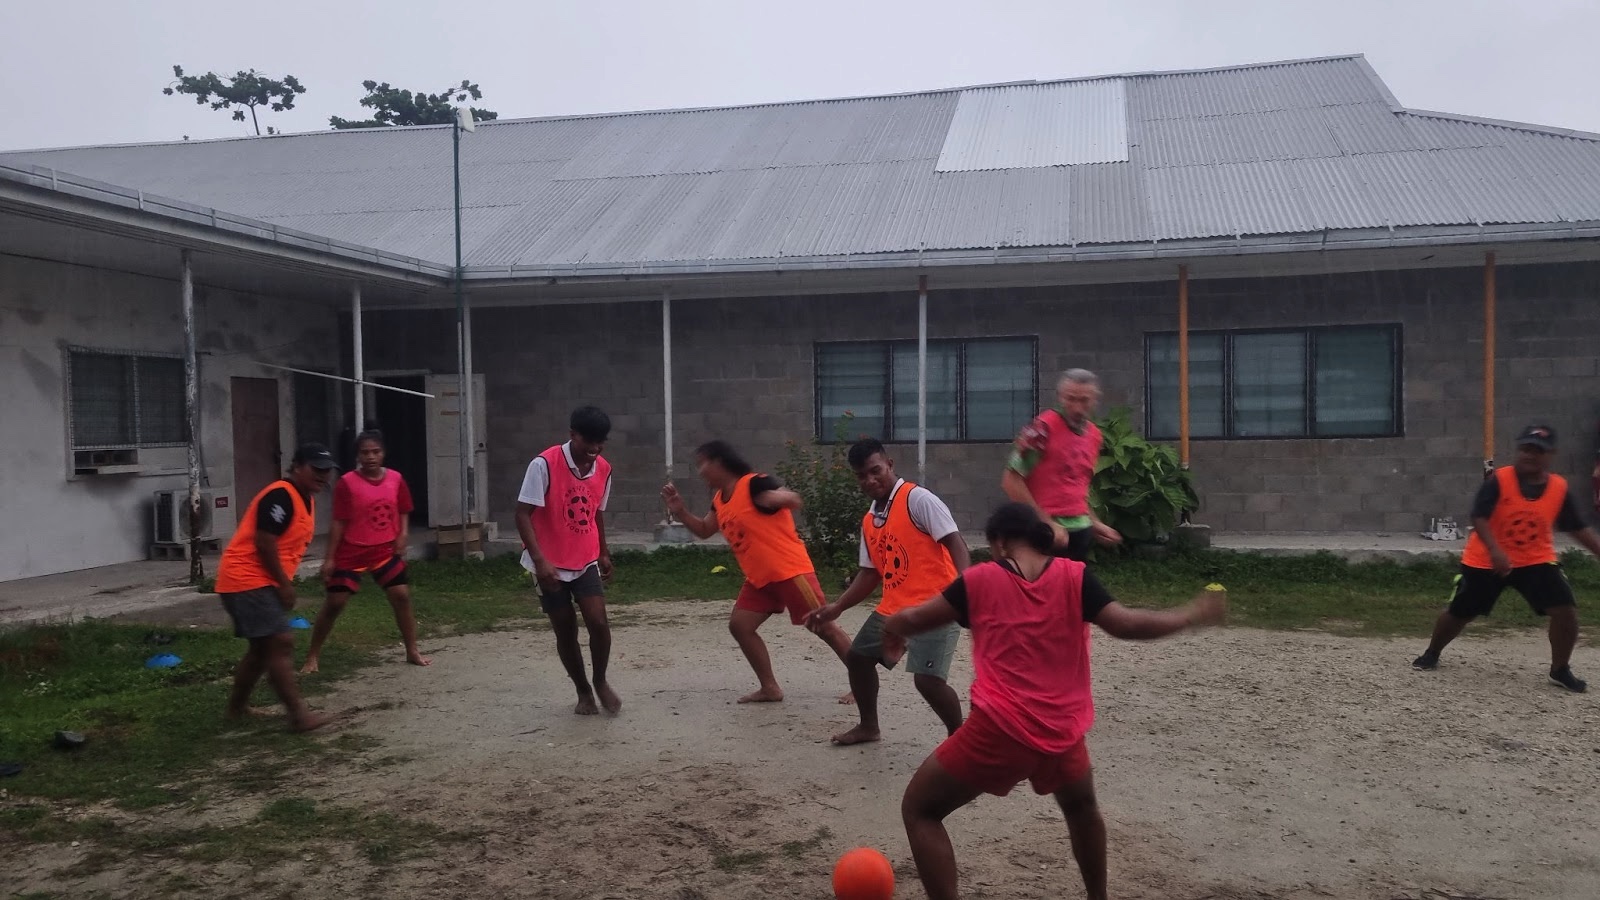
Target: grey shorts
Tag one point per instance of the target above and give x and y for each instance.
(929, 653)
(256, 613)
(589, 584)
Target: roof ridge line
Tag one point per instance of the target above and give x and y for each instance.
(1504, 123)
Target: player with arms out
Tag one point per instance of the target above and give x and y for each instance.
(368, 536)
(561, 518)
(910, 545)
(1053, 464)
(1031, 700)
(1514, 519)
(756, 515)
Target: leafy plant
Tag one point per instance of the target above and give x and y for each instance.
(1139, 488)
(248, 89)
(397, 106)
(821, 475)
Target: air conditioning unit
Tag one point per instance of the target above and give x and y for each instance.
(172, 517)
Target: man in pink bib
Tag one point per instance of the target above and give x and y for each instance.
(561, 519)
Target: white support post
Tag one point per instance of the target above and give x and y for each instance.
(468, 391)
(191, 405)
(922, 378)
(360, 365)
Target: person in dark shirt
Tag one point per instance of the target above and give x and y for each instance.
(1514, 519)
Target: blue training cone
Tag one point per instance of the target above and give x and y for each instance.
(162, 661)
(299, 622)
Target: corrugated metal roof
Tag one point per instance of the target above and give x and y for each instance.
(1274, 149)
(1026, 126)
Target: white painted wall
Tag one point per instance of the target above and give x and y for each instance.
(56, 522)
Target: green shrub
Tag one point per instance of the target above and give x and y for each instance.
(1139, 488)
(830, 524)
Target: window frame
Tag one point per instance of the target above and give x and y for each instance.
(1396, 334)
(823, 431)
(137, 443)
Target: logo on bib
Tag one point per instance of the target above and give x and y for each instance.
(891, 559)
(1524, 530)
(580, 512)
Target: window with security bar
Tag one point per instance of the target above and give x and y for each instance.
(125, 400)
(979, 390)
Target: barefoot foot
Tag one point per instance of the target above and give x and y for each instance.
(608, 698)
(860, 734)
(765, 695)
(309, 721)
(848, 699)
(310, 667)
(586, 706)
(416, 658)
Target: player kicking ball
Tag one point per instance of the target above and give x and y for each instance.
(1029, 613)
(910, 545)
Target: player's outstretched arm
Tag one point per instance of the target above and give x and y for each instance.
(907, 623)
(1589, 539)
(1208, 608)
(699, 527)
(779, 498)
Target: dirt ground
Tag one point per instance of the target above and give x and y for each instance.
(1232, 765)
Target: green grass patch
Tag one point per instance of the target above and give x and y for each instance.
(736, 862)
(799, 849)
(1325, 592)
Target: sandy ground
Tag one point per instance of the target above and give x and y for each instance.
(1232, 764)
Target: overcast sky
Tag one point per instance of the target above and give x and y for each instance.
(81, 72)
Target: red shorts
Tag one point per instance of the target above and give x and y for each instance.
(982, 756)
(799, 595)
(350, 561)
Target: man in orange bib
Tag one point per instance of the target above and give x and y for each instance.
(256, 581)
(755, 513)
(1514, 520)
(909, 544)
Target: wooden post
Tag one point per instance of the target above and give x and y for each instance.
(1183, 365)
(360, 365)
(1488, 363)
(191, 406)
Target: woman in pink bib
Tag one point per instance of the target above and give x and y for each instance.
(368, 536)
(1029, 614)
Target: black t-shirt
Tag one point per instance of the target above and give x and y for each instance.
(1569, 519)
(1095, 595)
(276, 511)
(760, 485)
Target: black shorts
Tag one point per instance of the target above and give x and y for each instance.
(589, 584)
(391, 573)
(1079, 543)
(257, 613)
(1544, 586)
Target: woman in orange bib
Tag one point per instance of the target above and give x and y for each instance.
(1514, 520)
(756, 516)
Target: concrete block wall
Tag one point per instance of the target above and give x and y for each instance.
(75, 523)
(743, 371)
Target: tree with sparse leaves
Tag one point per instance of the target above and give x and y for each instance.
(248, 89)
(393, 106)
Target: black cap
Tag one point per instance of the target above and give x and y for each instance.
(316, 456)
(1541, 436)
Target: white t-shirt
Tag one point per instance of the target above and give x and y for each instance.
(536, 483)
(928, 513)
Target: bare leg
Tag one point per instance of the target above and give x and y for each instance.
(400, 600)
(942, 697)
(564, 622)
(332, 606)
(1446, 629)
(839, 642)
(1563, 635)
(594, 618)
(932, 795)
(278, 652)
(245, 675)
(742, 624)
(1087, 830)
(864, 685)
